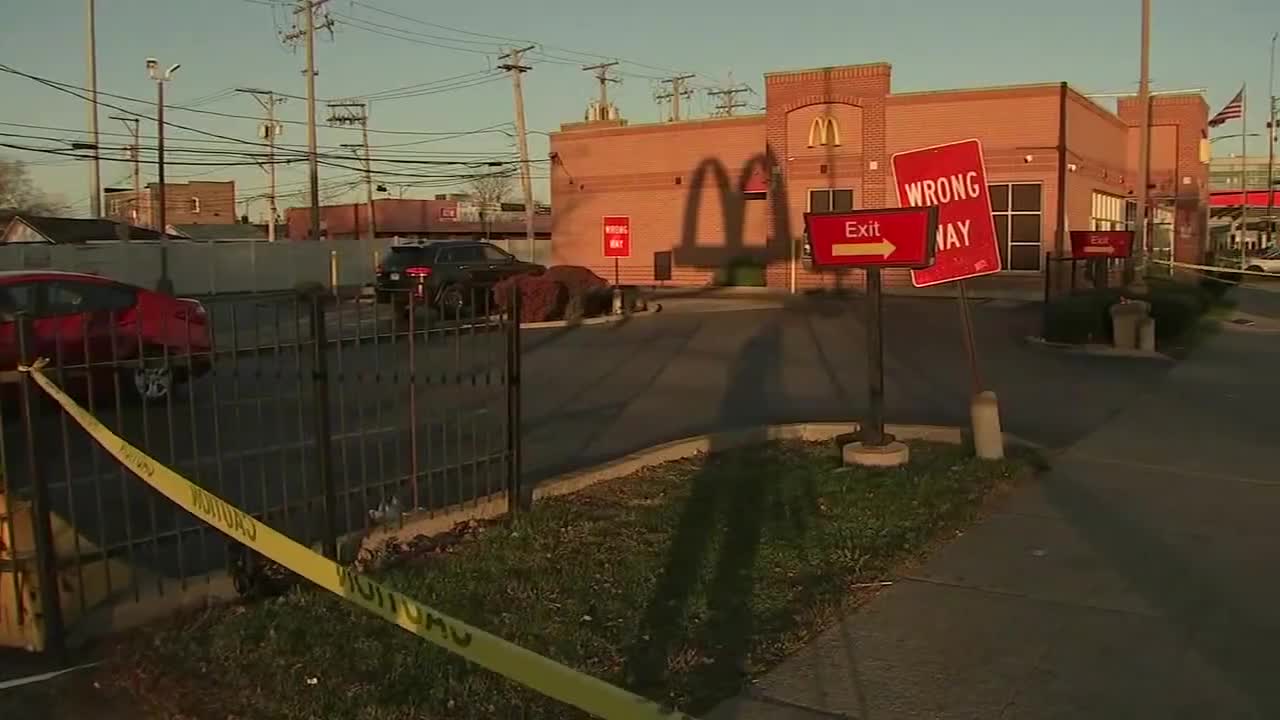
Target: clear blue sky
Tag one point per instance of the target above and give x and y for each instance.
(222, 44)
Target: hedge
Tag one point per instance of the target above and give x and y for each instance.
(589, 293)
(1086, 317)
(541, 297)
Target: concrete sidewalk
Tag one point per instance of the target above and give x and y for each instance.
(1137, 579)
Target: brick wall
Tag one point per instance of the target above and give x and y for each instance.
(198, 202)
(646, 171)
(1180, 180)
(680, 183)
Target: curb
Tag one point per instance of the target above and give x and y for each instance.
(496, 505)
(1095, 350)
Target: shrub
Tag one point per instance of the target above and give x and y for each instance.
(541, 298)
(743, 271)
(589, 293)
(1081, 318)
(1086, 317)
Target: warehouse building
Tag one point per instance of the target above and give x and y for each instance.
(703, 194)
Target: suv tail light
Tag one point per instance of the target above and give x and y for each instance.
(377, 269)
(418, 271)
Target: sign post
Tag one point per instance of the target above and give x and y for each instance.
(616, 238)
(872, 240)
(953, 177)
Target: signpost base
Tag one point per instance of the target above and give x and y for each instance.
(984, 413)
(893, 454)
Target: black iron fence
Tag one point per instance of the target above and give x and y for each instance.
(321, 418)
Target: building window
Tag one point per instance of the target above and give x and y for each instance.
(1015, 209)
(824, 131)
(830, 200)
(1108, 212)
(195, 206)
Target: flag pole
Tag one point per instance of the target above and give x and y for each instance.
(1244, 172)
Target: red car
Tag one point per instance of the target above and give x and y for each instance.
(95, 328)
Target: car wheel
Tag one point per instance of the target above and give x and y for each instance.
(1254, 268)
(452, 300)
(152, 384)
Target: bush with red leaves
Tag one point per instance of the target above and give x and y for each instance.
(588, 292)
(541, 297)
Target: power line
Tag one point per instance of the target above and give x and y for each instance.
(69, 88)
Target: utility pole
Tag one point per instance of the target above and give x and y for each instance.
(1137, 262)
(517, 70)
(727, 100)
(132, 124)
(307, 33)
(355, 112)
(677, 91)
(95, 171)
(269, 130)
(1271, 145)
(602, 76)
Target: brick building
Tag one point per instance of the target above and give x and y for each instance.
(191, 203)
(712, 190)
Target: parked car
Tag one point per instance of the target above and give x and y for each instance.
(1266, 261)
(93, 329)
(445, 274)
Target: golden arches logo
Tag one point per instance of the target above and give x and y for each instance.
(824, 131)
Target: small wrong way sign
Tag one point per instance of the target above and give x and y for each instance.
(953, 178)
(617, 236)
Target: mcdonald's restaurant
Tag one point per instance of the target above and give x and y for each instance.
(722, 199)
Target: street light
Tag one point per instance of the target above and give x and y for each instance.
(165, 283)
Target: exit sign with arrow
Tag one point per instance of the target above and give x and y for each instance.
(891, 237)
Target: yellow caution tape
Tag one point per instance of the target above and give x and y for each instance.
(523, 666)
(1216, 268)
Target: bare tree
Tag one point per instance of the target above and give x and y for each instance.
(489, 191)
(19, 195)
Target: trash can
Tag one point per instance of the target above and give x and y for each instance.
(1126, 316)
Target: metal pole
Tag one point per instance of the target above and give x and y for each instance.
(970, 347)
(518, 499)
(324, 437)
(616, 275)
(873, 433)
(46, 552)
(95, 172)
(313, 164)
(1271, 145)
(1244, 172)
(1136, 264)
(165, 285)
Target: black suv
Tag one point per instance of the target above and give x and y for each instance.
(445, 274)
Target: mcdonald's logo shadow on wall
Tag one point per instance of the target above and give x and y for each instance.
(735, 197)
(824, 130)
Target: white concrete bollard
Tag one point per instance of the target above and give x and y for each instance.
(617, 301)
(1147, 335)
(984, 413)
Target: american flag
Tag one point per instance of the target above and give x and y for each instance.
(1231, 111)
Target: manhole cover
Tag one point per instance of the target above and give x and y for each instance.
(1242, 321)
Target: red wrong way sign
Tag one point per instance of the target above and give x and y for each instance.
(1095, 244)
(893, 237)
(953, 178)
(617, 236)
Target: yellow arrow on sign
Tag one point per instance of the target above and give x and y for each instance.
(884, 248)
